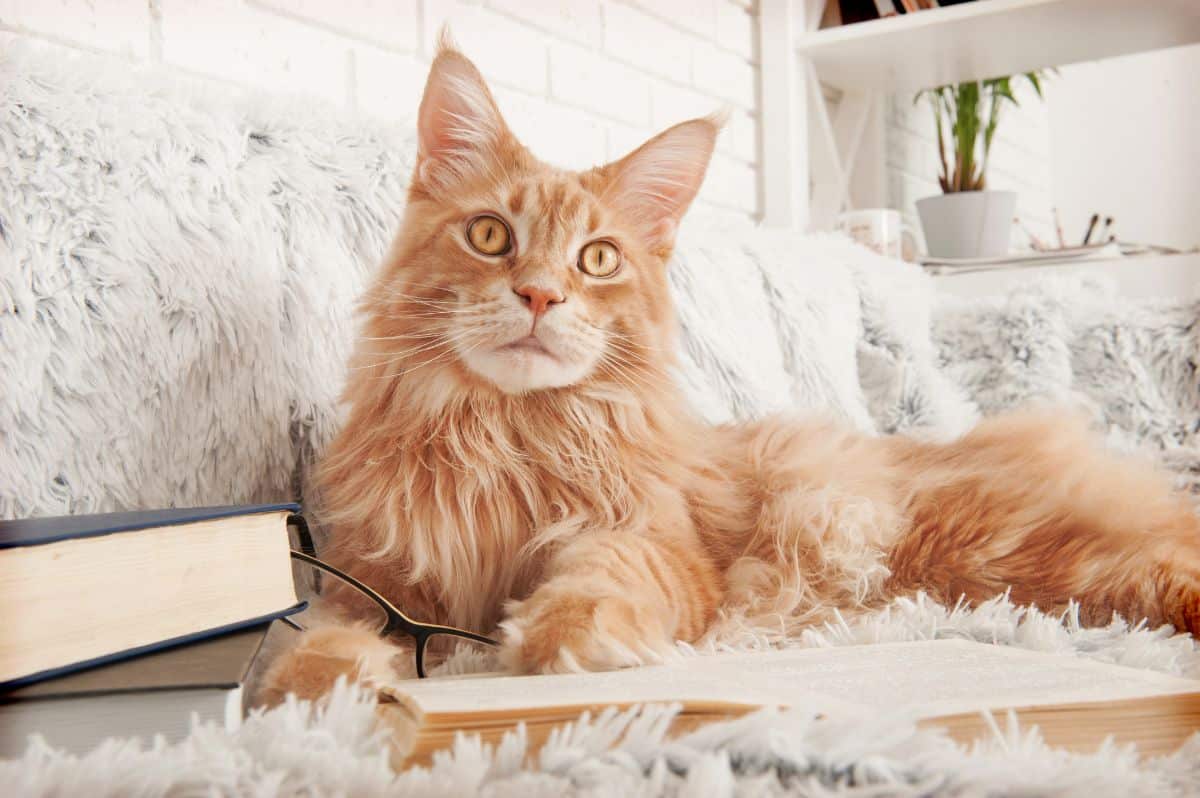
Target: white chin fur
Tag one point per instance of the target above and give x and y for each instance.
(522, 371)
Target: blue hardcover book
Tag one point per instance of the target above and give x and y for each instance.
(81, 591)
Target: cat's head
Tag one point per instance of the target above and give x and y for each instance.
(513, 275)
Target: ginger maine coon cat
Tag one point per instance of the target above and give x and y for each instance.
(516, 457)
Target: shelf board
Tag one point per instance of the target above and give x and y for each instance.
(990, 38)
(1139, 277)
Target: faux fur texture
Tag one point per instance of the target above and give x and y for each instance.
(176, 280)
(1131, 367)
(177, 271)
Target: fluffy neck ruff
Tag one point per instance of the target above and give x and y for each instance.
(461, 491)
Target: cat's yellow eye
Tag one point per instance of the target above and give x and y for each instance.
(600, 259)
(489, 235)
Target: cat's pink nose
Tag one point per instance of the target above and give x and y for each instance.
(539, 299)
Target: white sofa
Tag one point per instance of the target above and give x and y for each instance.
(178, 272)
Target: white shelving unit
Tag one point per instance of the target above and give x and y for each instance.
(986, 38)
(806, 145)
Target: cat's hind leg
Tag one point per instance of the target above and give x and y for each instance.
(826, 514)
(1035, 505)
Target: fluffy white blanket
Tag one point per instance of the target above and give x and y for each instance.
(177, 277)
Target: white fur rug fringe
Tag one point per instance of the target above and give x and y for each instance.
(298, 749)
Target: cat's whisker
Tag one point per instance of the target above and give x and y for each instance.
(418, 304)
(414, 284)
(421, 316)
(635, 377)
(393, 357)
(630, 354)
(626, 341)
(635, 359)
(413, 290)
(451, 351)
(619, 372)
(398, 294)
(401, 337)
(450, 341)
(628, 357)
(630, 340)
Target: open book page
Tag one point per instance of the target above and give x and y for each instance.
(926, 678)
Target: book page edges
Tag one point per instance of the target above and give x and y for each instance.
(1157, 725)
(948, 682)
(214, 560)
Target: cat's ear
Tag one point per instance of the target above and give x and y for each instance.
(654, 185)
(459, 128)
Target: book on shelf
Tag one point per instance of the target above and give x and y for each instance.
(951, 684)
(886, 8)
(155, 694)
(848, 12)
(79, 591)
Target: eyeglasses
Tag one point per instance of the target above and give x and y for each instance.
(365, 605)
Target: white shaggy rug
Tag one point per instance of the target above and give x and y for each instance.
(297, 749)
(177, 273)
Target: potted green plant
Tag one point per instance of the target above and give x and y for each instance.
(968, 220)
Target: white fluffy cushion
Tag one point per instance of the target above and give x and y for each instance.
(176, 277)
(731, 366)
(770, 324)
(898, 369)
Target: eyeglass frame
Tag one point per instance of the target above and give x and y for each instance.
(397, 621)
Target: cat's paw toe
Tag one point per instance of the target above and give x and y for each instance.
(565, 632)
(321, 656)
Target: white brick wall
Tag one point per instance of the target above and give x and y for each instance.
(1020, 159)
(581, 81)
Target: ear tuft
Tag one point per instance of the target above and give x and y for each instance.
(720, 117)
(459, 127)
(445, 40)
(654, 185)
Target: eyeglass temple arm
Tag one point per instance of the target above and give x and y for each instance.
(305, 537)
(404, 621)
(395, 615)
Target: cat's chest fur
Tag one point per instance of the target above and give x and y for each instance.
(489, 492)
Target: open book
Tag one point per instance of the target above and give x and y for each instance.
(950, 683)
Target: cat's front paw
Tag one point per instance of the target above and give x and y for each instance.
(562, 631)
(310, 668)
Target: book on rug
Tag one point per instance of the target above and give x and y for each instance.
(155, 694)
(948, 683)
(77, 591)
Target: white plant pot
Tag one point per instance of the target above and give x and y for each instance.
(968, 224)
